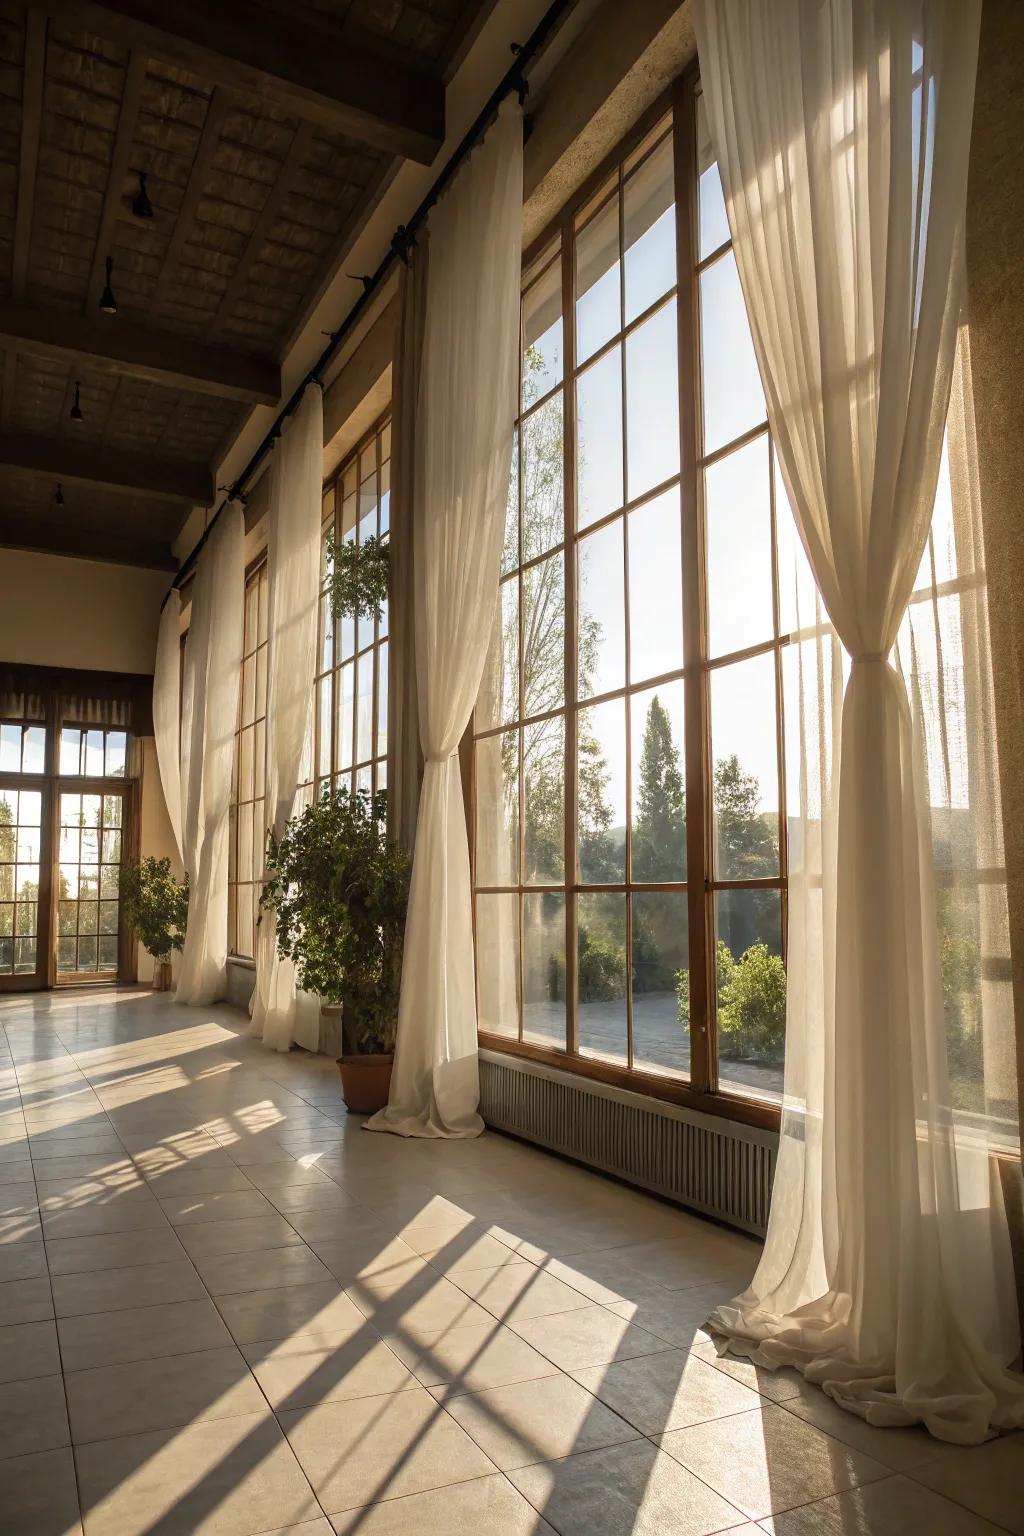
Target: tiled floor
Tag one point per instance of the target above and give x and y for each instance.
(225, 1309)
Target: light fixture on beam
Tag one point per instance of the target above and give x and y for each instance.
(108, 304)
(76, 409)
(142, 208)
(58, 495)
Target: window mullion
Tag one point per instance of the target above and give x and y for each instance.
(568, 248)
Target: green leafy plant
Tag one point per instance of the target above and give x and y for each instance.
(358, 577)
(339, 888)
(751, 993)
(155, 904)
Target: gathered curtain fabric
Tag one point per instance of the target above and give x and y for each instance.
(466, 409)
(842, 130)
(209, 713)
(167, 709)
(281, 1015)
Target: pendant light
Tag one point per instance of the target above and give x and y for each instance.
(108, 304)
(76, 409)
(142, 208)
(58, 495)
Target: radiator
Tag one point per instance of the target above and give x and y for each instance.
(714, 1165)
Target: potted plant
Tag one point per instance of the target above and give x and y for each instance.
(155, 905)
(339, 888)
(358, 577)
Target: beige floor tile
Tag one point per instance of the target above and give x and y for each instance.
(585, 1336)
(25, 1301)
(19, 1229)
(537, 1421)
(109, 1290)
(28, 1349)
(273, 1176)
(666, 1391)
(462, 1251)
(141, 1333)
(230, 1477)
(268, 1268)
(380, 1448)
(894, 1507)
(110, 1401)
(124, 1213)
(204, 1238)
(196, 1179)
(309, 1197)
(419, 1309)
(323, 1366)
(15, 1172)
(33, 1416)
(778, 1386)
(225, 1205)
(321, 1527)
(987, 1479)
(627, 1490)
(338, 1223)
(470, 1359)
(18, 1199)
(515, 1292)
(22, 1261)
(769, 1460)
(39, 1495)
(61, 1165)
(487, 1505)
(276, 1313)
(113, 1250)
(604, 1277)
(900, 1449)
(381, 1263)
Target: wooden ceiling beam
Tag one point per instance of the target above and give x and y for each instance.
(114, 469)
(127, 122)
(161, 357)
(20, 532)
(344, 83)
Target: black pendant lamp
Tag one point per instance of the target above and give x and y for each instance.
(108, 304)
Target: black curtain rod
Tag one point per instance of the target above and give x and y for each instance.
(403, 239)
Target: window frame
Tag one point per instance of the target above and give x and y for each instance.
(703, 1089)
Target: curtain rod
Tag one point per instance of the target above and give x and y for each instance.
(401, 242)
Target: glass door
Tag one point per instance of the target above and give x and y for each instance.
(88, 876)
(24, 857)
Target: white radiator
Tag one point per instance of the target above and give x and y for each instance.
(714, 1165)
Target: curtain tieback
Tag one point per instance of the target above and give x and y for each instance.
(878, 656)
(439, 757)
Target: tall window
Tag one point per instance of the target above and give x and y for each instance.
(352, 660)
(630, 849)
(245, 856)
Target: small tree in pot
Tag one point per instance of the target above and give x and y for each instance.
(339, 888)
(155, 905)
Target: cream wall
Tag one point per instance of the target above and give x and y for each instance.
(58, 612)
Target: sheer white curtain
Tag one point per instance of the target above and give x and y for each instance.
(467, 405)
(209, 712)
(167, 708)
(842, 130)
(280, 1014)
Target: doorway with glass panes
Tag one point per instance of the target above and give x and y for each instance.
(65, 807)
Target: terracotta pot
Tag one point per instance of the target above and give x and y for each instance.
(365, 1082)
(161, 975)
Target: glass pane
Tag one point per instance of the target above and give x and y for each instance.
(108, 952)
(6, 919)
(598, 297)
(544, 801)
(510, 548)
(542, 335)
(109, 880)
(750, 986)
(10, 748)
(326, 635)
(498, 700)
(33, 758)
(544, 636)
(345, 697)
(544, 969)
(382, 701)
(88, 918)
(713, 220)
(497, 809)
(6, 882)
(324, 726)
(24, 956)
(93, 766)
(600, 569)
(739, 550)
(601, 976)
(30, 805)
(385, 496)
(650, 231)
(108, 917)
(364, 708)
(67, 917)
(111, 847)
(26, 916)
(87, 960)
(661, 1036)
(732, 395)
(70, 745)
(799, 603)
(67, 950)
(599, 439)
(658, 784)
(652, 403)
(602, 793)
(111, 810)
(245, 765)
(497, 962)
(543, 479)
(746, 777)
(655, 588)
(116, 754)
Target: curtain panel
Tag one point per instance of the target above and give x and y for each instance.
(842, 130)
(209, 712)
(280, 1014)
(167, 709)
(465, 413)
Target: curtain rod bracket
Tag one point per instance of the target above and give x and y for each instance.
(402, 242)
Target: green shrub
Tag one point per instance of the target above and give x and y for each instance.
(155, 905)
(751, 995)
(602, 969)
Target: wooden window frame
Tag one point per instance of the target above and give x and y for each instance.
(702, 1089)
(256, 573)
